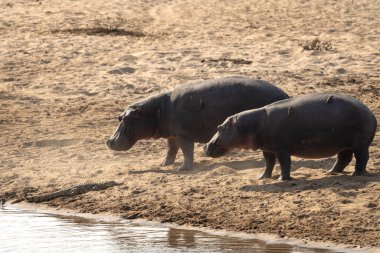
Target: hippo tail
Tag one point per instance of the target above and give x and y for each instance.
(374, 128)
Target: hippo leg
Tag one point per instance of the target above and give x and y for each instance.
(187, 148)
(171, 153)
(270, 160)
(361, 156)
(285, 163)
(344, 158)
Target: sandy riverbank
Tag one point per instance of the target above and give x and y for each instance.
(68, 69)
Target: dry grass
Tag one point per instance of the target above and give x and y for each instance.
(232, 60)
(104, 26)
(317, 45)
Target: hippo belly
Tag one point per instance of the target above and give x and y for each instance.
(317, 147)
(318, 144)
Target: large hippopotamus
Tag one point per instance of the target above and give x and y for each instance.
(190, 113)
(310, 126)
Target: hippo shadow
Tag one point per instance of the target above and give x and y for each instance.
(340, 182)
(236, 165)
(154, 170)
(325, 164)
(246, 164)
(200, 167)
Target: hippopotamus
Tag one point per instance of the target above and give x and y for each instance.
(309, 126)
(190, 113)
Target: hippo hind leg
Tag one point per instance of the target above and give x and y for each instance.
(344, 158)
(361, 156)
(173, 147)
(285, 164)
(187, 148)
(270, 160)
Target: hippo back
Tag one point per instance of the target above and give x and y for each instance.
(196, 110)
(330, 122)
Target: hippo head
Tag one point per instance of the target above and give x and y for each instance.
(227, 137)
(136, 123)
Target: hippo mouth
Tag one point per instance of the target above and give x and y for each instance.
(119, 141)
(213, 150)
(116, 145)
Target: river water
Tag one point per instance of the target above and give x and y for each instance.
(32, 231)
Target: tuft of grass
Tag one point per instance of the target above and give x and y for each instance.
(234, 61)
(100, 32)
(9, 4)
(317, 45)
(104, 26)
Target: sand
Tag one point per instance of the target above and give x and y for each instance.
(68, 69)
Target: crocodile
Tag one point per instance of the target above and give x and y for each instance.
(72, 191)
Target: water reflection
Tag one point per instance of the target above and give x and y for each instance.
(28, 231)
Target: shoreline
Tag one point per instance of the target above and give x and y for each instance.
(267, 238)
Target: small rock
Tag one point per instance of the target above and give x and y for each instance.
(371, 205)
(346, 201)
(133, 216)
(137, 191)
(129, 86)
(121, 71)
(341, 71)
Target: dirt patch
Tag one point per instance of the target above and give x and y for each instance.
(317, 45)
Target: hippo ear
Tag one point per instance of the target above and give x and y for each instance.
(136, 111)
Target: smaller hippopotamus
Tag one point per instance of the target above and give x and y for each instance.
(190, 113)
(310, 126)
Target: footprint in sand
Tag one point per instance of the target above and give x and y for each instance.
(129, 58)
(123, 70)
(221, 171)
(51, 143)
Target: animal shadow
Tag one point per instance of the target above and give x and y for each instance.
(238, 165)
(200, 167)
(339, 182)
(251, 163)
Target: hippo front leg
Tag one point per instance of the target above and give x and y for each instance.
(361, 156)
(187, 148)
(172, 152)
(285, 163)
(270, 160)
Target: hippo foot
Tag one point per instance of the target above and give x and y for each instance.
(167, 162)
(332, 172)
(281, 178)
(358, 173)
(265, 175)
(183, 167)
